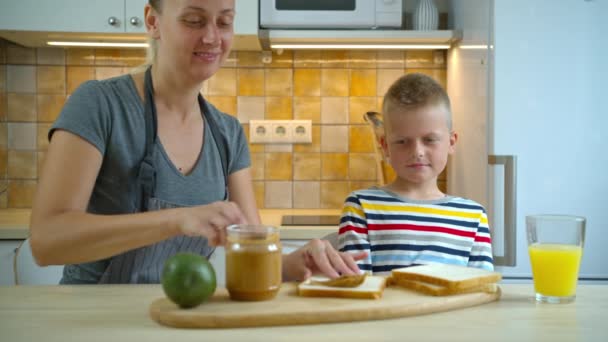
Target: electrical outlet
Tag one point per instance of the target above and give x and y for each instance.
(301, 131)
(280, 131)
(260, 131)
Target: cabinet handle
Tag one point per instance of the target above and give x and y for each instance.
(113, 21)
(134, 21)
(510, 198)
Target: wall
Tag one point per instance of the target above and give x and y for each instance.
(331, 88)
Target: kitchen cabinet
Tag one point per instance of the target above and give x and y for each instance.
(108, 16)
(7, 255)
(33, 23)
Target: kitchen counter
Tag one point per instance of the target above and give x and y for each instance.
(120, 313)
(14, 223)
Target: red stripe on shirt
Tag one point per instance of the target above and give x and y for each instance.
(483, 239)
(349, 228)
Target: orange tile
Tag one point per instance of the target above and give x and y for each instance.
(21, 107)
(2, 78)
(22, 165)
(306, 195)
(226, 104)
(16, 54)
(315, 146)
(80, 57)
(439, 75)
(279, 82)
(249, 59)
(307, 108)
(334, 138)
(42, 140)
(334, 110)
(2, 106)
(333, 194)
(258, 190)
(278, 166)
(358, 106)
(50, 56)
(231, 60)
(76, 75)
(278, 195)
(109, 57)
(386, 78)
(307, 82)
(419, 59)
(334, 82)
(306, 59)
(3, 194)
(4, 135)
(3, 52)
(250, 82)
(257, 166)
(3, 162)
(51, 79)
(334, 58)
(362, 59)
(307, 166)
(283, 60)
(133, 57)
(49, 106)
(362, 166)
(391, 59)
(21, 193)
(361, 139)
(334, 166)
(223, 83)
(282, 148)
(279, 108)
(363, 82)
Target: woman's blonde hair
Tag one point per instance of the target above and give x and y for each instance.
(413, 91)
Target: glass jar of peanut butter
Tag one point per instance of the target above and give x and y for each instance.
(253, 262)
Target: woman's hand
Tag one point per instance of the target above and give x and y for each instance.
(208, 220)
(319, 256)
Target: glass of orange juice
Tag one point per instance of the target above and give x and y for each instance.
(555, 246)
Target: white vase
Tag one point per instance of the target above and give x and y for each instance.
(426, 16)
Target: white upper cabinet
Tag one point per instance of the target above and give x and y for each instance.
(107, 16)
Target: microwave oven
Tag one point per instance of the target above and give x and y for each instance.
(330, 14)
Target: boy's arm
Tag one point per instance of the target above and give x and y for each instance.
(352, 236)
(481, 252)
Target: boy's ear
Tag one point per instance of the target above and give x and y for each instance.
(384, 145)
(151, 21)
(453, 139)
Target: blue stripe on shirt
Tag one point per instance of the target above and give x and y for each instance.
(418, 248)
(393, 217)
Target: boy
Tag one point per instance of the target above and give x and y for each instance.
(410, 221)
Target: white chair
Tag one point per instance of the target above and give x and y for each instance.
(27, 272)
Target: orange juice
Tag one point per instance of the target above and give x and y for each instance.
(555, 268)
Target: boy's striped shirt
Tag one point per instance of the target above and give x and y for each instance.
(397, 232)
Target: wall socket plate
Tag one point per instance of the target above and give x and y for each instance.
(280, 131)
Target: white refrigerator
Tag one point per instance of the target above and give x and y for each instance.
(529, 90)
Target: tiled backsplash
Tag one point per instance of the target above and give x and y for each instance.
(331, 88)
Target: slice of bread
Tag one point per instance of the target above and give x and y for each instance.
(371, 288)
(437, 290)
(453, 278)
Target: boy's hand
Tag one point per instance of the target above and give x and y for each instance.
(319, 256)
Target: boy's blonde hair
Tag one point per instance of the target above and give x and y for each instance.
(413, 91)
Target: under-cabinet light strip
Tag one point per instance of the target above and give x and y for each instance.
(360, 46)
(99, 44)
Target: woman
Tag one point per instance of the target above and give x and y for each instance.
(140, 166)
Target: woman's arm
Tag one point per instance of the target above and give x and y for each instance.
(62, 232)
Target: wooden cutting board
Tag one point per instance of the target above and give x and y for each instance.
(290, 309)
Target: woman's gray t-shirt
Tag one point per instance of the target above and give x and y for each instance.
(109, 114)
